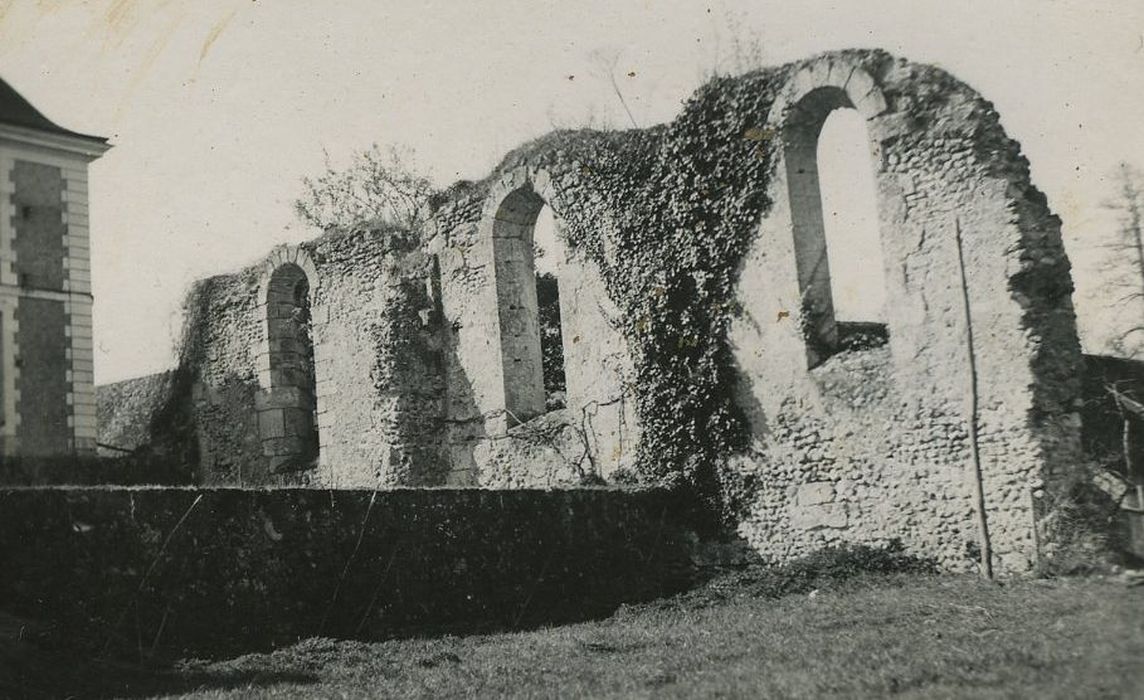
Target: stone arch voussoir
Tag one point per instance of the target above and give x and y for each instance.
(538, 180)
(831, 71)
(279, 257)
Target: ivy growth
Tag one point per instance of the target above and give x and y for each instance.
(667, 215)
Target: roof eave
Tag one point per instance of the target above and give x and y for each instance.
(89, 147)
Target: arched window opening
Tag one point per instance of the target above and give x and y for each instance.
(531, 339)
(834, 215)
(549, 254)
(850, 222)
(288, 423)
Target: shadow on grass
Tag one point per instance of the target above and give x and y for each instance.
(29, 672)
(44, 666)
(828, 567)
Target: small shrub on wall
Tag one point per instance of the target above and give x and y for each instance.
(379, 185)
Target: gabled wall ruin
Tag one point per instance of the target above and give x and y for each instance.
(699, 340)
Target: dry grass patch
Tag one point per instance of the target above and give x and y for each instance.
(912, 636)
(842, 623)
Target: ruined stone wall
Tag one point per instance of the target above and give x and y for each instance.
(713, 261)
(377, 387)
(874, 444)
(595, 435)
(414, 382)
(700, 344)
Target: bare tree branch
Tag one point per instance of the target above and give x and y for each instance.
(606, 63)
(1124, 261)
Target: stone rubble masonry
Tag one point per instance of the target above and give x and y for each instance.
(888, 427)
(377, 384)
(124, 411)
(224, 571)
(427, 363)
(597, 432)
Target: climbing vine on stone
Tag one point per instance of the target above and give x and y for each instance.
(667, 214)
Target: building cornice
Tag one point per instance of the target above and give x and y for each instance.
(87, 147)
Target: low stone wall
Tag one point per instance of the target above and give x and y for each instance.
(124, 410)
(213, 571)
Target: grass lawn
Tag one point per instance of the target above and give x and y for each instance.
(913, 636)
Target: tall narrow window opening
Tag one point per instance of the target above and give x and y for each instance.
(288, 422)
(834, 216)
(549, 252)
(531, 338)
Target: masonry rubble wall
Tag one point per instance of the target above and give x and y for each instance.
(124, 410)
(873, 443)
(377, 373)
(217, 572)
(598, 422)
(699, 341)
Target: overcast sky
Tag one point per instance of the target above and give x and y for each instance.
(217, 108)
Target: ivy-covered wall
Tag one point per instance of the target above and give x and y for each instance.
(695, 230)
(700, 347)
